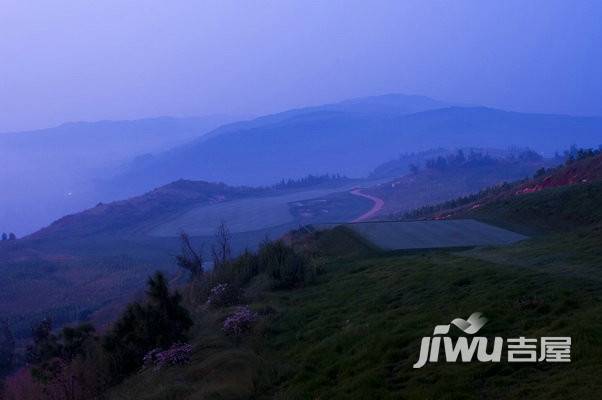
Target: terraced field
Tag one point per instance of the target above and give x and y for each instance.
(405, 235)
(251, 214)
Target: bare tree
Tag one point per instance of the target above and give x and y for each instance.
(221, 250)
(190, 259)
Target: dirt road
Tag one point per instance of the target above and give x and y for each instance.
(378, 205)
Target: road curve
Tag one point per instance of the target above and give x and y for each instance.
(378, 205)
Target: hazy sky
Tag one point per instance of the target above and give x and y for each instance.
(87, 60)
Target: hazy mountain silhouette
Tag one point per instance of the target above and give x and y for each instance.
(49, 172)
(352, 138)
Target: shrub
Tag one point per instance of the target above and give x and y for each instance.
(223, 295)
(177, 354)
(239, 322)
(284, 265)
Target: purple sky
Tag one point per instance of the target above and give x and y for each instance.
(88, 60)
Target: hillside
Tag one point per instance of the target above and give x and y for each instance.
(556, 199)
(117, 243)
(89, 263)
(451, 175)
(352, 143)
(122, 217)
(355, 332)
(349, 322)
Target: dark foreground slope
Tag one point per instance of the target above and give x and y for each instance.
(355, 332)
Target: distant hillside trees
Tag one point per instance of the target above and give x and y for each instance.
(309, 180)
(427, 211)
(479, 158)
(575, 154)
(572, 155)
(9, 236)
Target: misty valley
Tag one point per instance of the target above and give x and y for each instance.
(220, 246)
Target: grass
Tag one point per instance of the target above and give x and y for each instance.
(560, 209)
(355, 333)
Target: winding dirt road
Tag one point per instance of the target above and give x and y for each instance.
(378, 205)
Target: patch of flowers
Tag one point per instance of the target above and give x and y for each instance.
(222, 295)
(177, 354)
(240, 321)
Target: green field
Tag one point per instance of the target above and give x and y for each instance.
(256, 213)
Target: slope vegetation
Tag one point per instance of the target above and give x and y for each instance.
(557, 199)
(453, 175)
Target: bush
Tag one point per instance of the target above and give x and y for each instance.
(177, 354)
(239, 322)
(223, 295)
(284, 265)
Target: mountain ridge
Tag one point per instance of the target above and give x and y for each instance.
(353, 143)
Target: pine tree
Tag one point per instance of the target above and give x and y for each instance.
(157, 323)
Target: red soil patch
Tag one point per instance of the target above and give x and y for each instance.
(378, 205)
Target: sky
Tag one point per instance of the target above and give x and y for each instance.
(116, 59)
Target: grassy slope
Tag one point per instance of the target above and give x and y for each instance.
(431, 186)
(559, 209)
(356, 332)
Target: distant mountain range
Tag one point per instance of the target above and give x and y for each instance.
(53, 172)
(351, 138)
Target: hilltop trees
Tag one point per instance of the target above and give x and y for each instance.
(8, 236)
(309, 180)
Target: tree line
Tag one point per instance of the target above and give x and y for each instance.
(8, 236)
